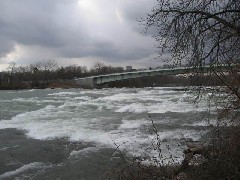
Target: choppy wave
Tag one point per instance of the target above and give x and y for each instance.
(24, 168)
(105, 117)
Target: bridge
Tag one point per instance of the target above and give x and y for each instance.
(102, 80)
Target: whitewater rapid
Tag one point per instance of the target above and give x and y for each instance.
(107, 117)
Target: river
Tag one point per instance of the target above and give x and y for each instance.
(74, 133)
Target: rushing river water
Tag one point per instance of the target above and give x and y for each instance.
(72, 133)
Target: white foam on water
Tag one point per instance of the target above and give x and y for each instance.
(47, 124)
(158, 91)
(194, 135)
(130, 138)
(64, 94)
(204, 123)
(83, 152)
(6, 148)
(57, 122)
(133, 124)
(26, 91)
(34, 100)
(165, 106)
(163, 102)
(31, 90)
(134, 108)
(212, 123)
(136, 144)
(179, 134)
(27, 167)
(87, 103)
(119, 97)
(96, 91)
(85, 98)
(82, 118)
(140, 95)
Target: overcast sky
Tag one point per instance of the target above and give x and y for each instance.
(78, 32)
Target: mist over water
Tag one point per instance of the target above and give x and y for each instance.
(102, 119)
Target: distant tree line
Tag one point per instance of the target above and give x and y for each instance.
(44, 73)
(47, 74)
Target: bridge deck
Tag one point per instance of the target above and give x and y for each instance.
(93, 81)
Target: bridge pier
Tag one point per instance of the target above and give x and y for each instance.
(87, 83)
(90, 83)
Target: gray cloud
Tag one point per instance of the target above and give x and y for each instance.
(136, 11)
(73, 29)
(6, 46)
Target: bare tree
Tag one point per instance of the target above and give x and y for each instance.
(98, 68)
(11, 69)
(46, 67)
(206, 32)
(199, 33)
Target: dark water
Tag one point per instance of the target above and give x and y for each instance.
(73, 133)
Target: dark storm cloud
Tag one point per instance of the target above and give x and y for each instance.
(136, 12)
(30, 22)
(109, 30)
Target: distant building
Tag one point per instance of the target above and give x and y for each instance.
(128, 68)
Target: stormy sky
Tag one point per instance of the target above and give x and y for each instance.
(78, 32)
